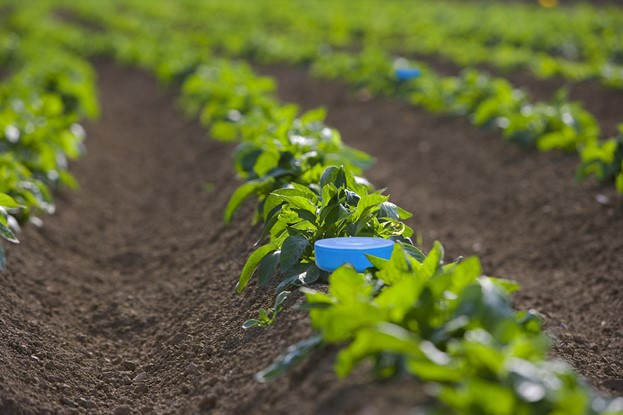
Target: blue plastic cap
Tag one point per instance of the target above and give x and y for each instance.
(332, 253)
(404, 74)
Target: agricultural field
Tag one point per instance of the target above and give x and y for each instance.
(167, 168)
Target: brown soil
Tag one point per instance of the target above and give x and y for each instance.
(124, 301)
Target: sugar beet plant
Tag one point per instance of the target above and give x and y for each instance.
(296, 217)
(47, 91)
(277, 145)
(604, 160)
(444, 324)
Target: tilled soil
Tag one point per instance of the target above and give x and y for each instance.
(123, 302)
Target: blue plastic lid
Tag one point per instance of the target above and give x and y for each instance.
(331, 253)
(404, 74)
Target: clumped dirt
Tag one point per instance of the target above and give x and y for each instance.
(123, 302)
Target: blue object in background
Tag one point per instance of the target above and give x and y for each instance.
(404, 74)
(331, 253)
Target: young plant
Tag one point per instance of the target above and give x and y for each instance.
(290, 150)
(604, 160)
(267, 317)
(297, 216)
(443, 324)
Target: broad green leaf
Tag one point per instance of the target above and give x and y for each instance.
(372, 341)
(396, 268)
(291, 251)
(8, 234)
(301, 203)
(8, 202)
(433, 261)
(281, 297)
(224, 131)
(366, 204)
(388, 210)
(414, 251)
(399, 298)
(349, 286)
(378, 263)
(314, 115)
(251, 264)
(292, 356)
(265, 162)
(241, 194)
(268, 267)
(300, 274)
(507, 286)
(333, 175)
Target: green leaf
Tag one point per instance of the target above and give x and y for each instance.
(280, 299)
(265, 162)
(251, 264)
(8, 234)
(414, 251)
(349, 286)
(8, 202)
(268, 267)
(292, 356)
(333, 175)
(291, 251)
(300, 274)
(241, 194)
(433, 261)
(301, 203)
(388, 210)
(372, 341)
(396, 268)
(251, 323)
(314, 115)
(2, 258)
(367, 203)
(224, 131)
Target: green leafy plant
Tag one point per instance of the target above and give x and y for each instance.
(445, 324)
(297, 216)
(267, 317)
(604, 160)
(292, 151)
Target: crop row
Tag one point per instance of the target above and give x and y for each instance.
(489, 102)
(43, 95)
(442, 323)
(576, 42)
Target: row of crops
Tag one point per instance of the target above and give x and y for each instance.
(336, 42)
(415, 314)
